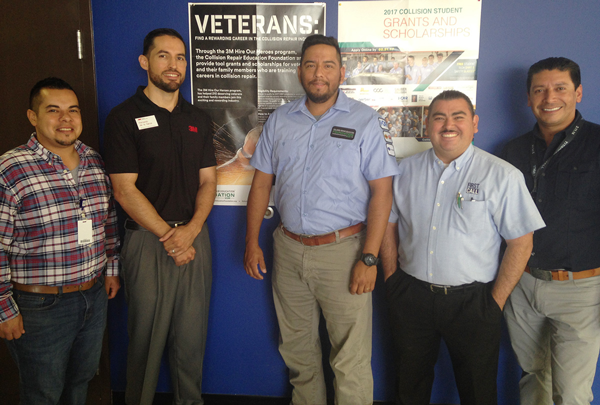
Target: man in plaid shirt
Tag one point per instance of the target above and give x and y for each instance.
(58, 261)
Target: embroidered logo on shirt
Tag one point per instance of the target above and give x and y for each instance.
(473, 188)
(193, 129)
(387, 136)
(390, 149)
(383, 123)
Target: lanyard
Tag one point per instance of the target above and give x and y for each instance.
(535, 171)
(82, 207)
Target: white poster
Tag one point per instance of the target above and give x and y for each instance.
(400, 54)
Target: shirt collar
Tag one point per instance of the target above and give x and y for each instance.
(341, 104)
(559, 135)
(459, 163)
(48, 156)
(145, 104)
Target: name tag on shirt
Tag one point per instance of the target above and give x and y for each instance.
(85, 235)
(146, 122)
(343, 133)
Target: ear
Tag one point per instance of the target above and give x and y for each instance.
(143, 62)
(32, 117)
(299, 69)
(475, 122)
(343, 75)
(579, 93)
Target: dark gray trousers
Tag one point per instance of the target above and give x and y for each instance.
(167, 306)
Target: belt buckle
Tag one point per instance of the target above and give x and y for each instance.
(302, 237)
(445, 287)
(540, 274)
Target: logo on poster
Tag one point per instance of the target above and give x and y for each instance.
(226, 194)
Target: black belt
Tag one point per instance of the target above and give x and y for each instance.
(448, 289)
(134, 226)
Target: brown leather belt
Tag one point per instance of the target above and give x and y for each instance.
(44, 289)
(561, 275)
(317, 240)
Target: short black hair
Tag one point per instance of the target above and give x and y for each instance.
(159, 32)
(319, 39)
(555, 63)
(448, 95)
(47, 83)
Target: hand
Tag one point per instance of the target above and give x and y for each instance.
(499, 300)
(387, 274)
(12, 329)
(253, 258)
(112, 285)
(178, 239)
(185, 257)
(363, 278)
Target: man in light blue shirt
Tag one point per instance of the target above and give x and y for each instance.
(411, 72)
(332, 159)
(426, 69)
(453, 206)
(440, 59)
(396, 69)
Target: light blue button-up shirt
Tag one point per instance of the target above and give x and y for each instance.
(323, 167)
(450, 242)
(413, 71)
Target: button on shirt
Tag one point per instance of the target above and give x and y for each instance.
(446, 242)
(322, 181)
(40, 206)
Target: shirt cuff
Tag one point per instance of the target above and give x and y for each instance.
(112, 268)
(8, 308)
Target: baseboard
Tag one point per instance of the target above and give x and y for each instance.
(217, 399)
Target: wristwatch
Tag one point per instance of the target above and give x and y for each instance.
(369, 259)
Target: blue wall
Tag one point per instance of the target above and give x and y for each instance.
(242, 355)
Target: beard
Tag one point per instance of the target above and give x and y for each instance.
(66, 142)
(319, 98)
(169, 87)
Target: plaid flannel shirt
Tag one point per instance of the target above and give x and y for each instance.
(40, 206)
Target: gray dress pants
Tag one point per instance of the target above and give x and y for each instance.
(167, 306)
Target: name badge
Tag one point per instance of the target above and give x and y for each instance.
(343, 133)
(146, 122)
(85, 235)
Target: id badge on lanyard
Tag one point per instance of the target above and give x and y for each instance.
(85, 235)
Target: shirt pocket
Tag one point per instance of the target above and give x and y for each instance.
(340, 159)
(579, 181)
(471, 217)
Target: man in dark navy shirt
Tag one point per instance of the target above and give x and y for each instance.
(553, 314)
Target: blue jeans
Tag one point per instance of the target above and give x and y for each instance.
(59, 353)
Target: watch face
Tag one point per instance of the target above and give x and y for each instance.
(369, 259)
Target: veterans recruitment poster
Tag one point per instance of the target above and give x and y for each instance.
(400, 54)
(243, 60)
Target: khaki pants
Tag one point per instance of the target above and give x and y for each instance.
(554, 329)
(310, 279)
